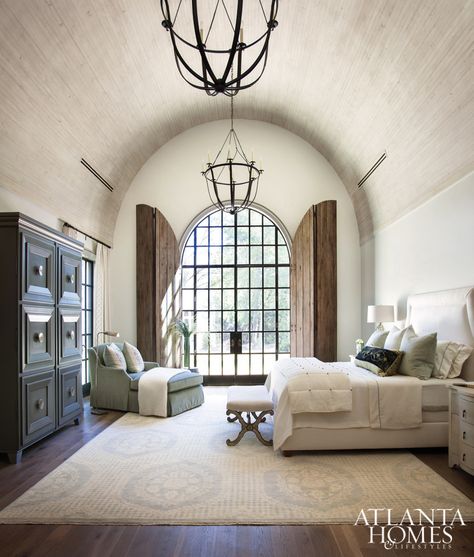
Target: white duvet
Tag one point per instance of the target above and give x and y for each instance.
(377, 402)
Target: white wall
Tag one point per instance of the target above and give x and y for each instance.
(429, 249)
(295, 177)
(11, 202)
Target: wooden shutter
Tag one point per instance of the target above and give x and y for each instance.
(157, 286)
(314, 284)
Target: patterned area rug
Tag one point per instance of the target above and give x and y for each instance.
(180, 471)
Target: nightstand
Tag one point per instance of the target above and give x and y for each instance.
(352, 358)
(461, 427)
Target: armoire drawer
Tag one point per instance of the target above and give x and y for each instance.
(38, 269)
(69, 269)
(38, 334)
(38, 406)
(69, 335)
(466, 409)
(70, 393)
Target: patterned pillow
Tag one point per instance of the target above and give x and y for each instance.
(113, 357)
(379, 360)
(133, 358)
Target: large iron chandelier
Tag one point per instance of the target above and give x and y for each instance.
(232, 179)
(208, 67)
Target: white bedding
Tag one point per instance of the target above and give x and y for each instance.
(153, 391)
(378, 402)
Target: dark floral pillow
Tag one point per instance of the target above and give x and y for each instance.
(380, 361)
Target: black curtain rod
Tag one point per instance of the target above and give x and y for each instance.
(91, 237)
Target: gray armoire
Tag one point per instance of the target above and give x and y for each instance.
(40, 328)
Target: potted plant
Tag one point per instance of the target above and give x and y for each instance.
(359, 345)
(184, 329)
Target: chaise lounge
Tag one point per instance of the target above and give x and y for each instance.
(117, 389)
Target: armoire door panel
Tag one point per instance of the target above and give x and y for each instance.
(69, 269)
(38, 332)
(38, 402)
(70, 393)
(38, 279)
(69, 335)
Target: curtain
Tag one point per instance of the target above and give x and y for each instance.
(101, 291)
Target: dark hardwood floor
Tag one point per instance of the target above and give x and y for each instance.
(183, 541)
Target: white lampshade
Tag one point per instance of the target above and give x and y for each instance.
(380, 314)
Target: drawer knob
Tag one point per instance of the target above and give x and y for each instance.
(70, 279)
(463, 435)
(464, 413)
(40, 404)
(71, 335)
(464, 457)
(39, 270)
(71, 391)
(38, 337)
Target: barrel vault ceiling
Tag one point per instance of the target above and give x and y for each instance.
(354, 78)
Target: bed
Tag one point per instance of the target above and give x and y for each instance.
(386, 412)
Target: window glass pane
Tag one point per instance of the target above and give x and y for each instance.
(243, 320)
(267, 222)
(202, 342)
(202, 236)
(215, 237)
(283, 255)
(284, 298)
(228, 364)
(281, 240)
(269, 255)
(269, 320)
(255, 218)
(202, 256)
(256, 342)
(243, 217)
(228, 278)
(242, 299)
(255, 235)
(215, 320)
(284, 277)
(187, 277)
(228, 219)
(188, 256)
(228, 254)
(284, 342)
(89, 297)
(215, 299)
(256, 278)
(201, 299)
(242, 278)
(269, 299)
(245, 342)
(215, 365)
(256, 320)
(256, 364)
(242, 256)
(214, 340)
(228, 301)
(243, 364)
(269, 277)
(228, 236)
(269, 342)
(225, 343)
(228, 321)
(284, 320)
(188, 299)
(268, 363)
(202, 278)
(215, 219)
(242, 235)
(256, 255)
(256, 298)
(269, 235)
(202, 365)
(215, 256)
(202, 321)
(215, 278)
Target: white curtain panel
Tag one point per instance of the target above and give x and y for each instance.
(101, 291)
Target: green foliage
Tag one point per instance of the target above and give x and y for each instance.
(182, 328)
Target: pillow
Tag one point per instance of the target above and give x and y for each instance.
(133, 358)
(445, 355)
(394, 338)
(379, 360)
(418, 360)
(377, 339)
(113, 357)
(463, 353)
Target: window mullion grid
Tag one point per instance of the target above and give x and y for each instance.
(277, 297)
(263, 297)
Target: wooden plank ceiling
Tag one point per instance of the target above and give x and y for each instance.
(96, 79)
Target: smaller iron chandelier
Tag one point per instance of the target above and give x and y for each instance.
(209, 69)
(232, 179)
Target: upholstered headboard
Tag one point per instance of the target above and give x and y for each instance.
(450, 313)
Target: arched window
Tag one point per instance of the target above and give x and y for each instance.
(236, 285)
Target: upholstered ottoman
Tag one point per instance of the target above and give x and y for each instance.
(254, 400)
(184, 392)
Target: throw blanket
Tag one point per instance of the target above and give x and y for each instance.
(377, 402)
(315, 388)
(153, 391)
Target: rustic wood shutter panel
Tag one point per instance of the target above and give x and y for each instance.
(157, 285)
(314, 284)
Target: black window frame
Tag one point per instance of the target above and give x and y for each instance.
(87, 310)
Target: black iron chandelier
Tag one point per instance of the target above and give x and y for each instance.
(232, 179)
(209, 68)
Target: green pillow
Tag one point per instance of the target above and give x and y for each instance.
(419, 354)
(377, 339)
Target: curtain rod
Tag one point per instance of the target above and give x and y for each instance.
(91, 237)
